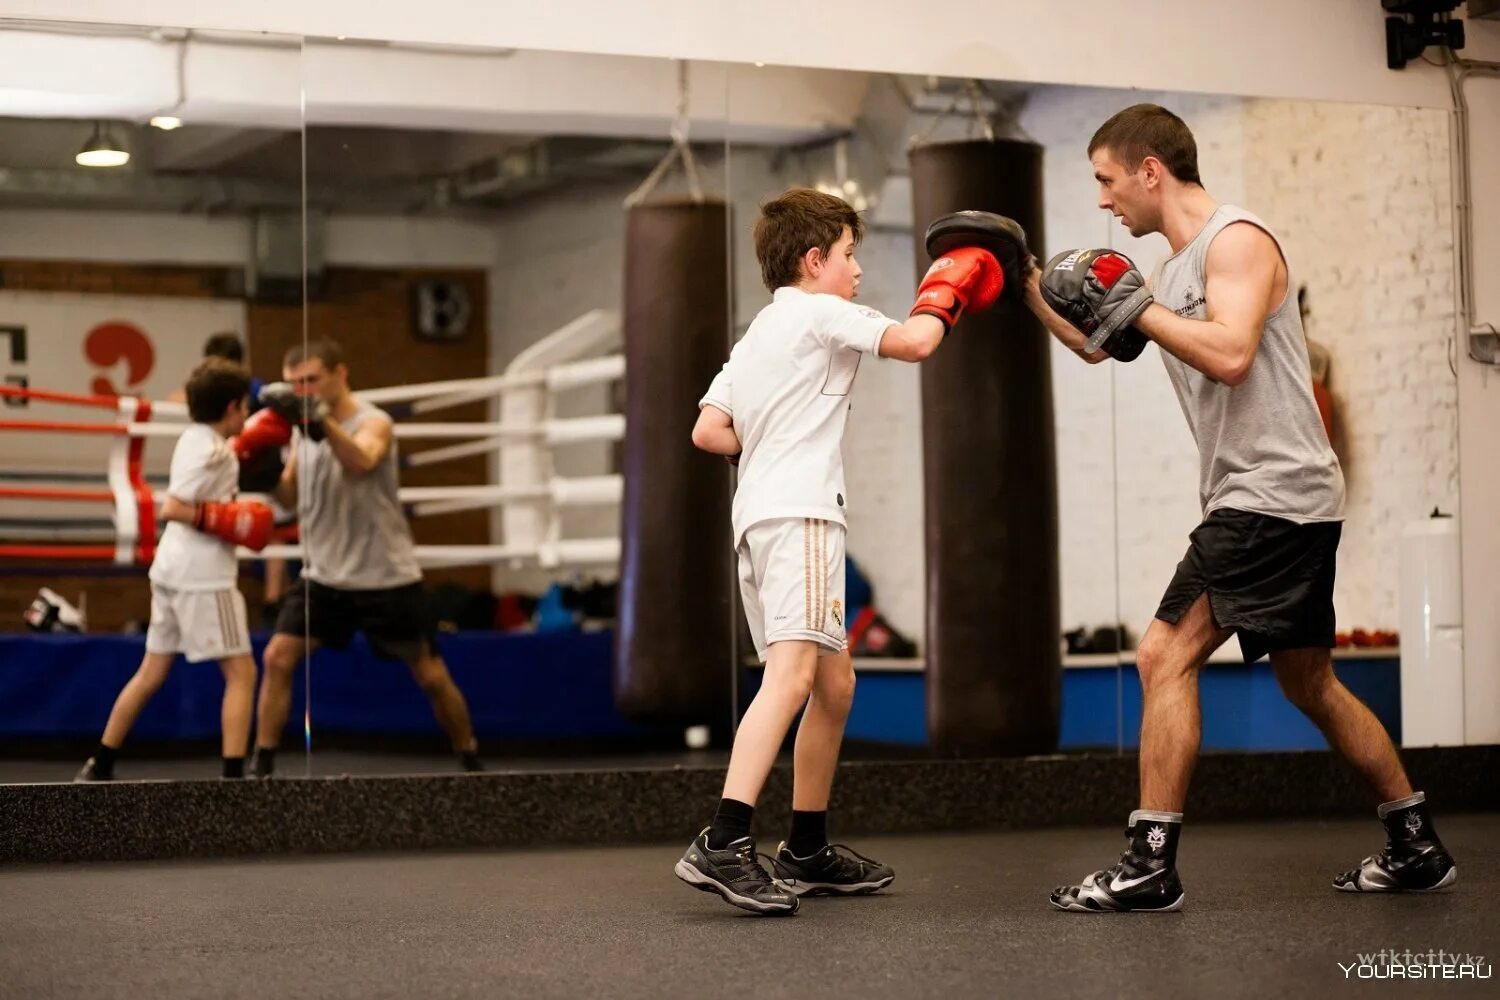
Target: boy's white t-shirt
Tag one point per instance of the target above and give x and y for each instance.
(786, 387)
(204, 467)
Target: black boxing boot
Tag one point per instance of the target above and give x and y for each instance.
(1414, 859)
(1145, 879)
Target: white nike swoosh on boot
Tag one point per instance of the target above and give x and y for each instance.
(1115, 885)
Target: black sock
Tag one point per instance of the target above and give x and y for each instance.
(731, 822)
(809, 833)
(234, 767)
(470, 761)
(104, 761)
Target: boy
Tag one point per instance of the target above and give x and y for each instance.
(195, 608)
(778, 410)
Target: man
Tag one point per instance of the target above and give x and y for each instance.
(361, 573)
(1261, 564)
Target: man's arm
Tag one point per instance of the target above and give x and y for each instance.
(1241, 272)
(714, 431)
(286, 489)
(1066, 333)
(362, 451)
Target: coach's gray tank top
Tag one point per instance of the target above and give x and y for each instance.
(1261, 444)
(352, 526)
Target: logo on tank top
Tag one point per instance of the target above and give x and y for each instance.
(1192, 299)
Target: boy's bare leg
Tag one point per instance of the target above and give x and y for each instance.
(790, 669)
(148, 679)
(822, 733)
(239, 700)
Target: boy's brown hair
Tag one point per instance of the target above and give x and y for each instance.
(212, 387)
(795, 222)
(1143, 130)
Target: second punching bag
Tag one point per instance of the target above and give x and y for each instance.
(674, 638)
(994, 664)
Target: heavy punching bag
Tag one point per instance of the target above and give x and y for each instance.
(994, 664)
(674, 638)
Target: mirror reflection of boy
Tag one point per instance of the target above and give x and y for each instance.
(196, 608)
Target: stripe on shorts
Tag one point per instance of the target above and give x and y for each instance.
(807, 600)
(229, 626)
(223, 620)
(822, 564)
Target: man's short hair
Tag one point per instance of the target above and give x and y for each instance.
(212, 387)
(1143, 130)
(795, 222)
(321, 349)
(225, 345)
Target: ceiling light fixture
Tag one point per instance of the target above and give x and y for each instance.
(166, 122)
(101, 151)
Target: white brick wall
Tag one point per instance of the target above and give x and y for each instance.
(1360, 196)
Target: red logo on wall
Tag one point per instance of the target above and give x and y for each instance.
(110, 343)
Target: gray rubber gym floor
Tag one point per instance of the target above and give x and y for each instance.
(967, 916)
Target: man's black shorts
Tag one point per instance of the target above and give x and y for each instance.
(1267, 578)
(393, 620)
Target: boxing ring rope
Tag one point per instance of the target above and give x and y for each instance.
(529, 495)
(134, 508)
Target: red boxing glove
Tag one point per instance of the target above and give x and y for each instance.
(964, 278)
(246, 523)
(265, 430)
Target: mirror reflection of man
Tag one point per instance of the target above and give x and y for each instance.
(361, 572)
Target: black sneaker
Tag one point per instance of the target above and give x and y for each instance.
(830, 873)
(735, 874)
(1145, 879)
(1414, 859)
(90, 772)
(261, 765)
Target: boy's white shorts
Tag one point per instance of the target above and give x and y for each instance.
(792, 582)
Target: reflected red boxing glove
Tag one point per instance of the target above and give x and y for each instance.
(248, 523)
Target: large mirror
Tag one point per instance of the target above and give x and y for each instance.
(504, 250)
(151, 193)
